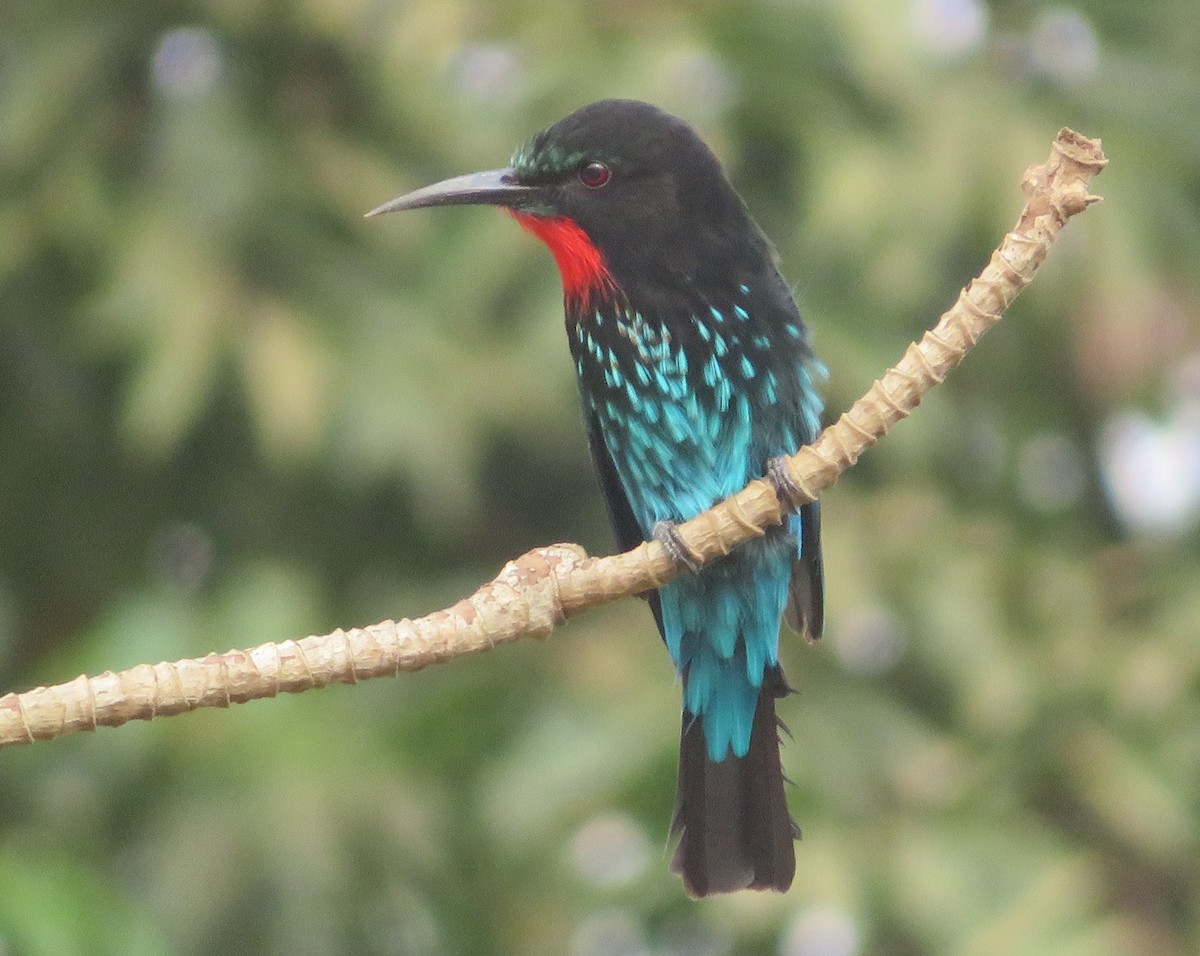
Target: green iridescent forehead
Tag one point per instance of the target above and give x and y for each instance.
(542, 159)
(536, 159)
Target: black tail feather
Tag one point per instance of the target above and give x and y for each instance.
(731, 817)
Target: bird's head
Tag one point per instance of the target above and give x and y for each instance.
(624, 195)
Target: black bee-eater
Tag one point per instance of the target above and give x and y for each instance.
(694, 371)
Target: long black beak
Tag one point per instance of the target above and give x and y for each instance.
(497, 187)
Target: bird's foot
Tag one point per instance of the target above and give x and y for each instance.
(779, 476)
(667, 534)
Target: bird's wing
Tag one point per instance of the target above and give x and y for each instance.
(805, 610)
(625, 526)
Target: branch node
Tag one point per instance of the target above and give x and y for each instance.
(744, 521)
(933, 375)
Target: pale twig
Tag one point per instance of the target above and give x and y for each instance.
(535, 593)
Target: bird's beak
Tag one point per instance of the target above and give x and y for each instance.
(497, 187)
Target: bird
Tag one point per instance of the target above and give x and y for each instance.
(695, 371)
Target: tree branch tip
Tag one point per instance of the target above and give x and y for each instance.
(1081, 149)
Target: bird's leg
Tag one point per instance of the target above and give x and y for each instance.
(667, 534)
(779, 476)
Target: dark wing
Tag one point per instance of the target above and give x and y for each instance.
(625, 526)
(805, 610)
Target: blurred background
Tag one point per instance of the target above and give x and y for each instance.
(232, 411)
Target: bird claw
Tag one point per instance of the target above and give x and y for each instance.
(779, 476)
(667, 534)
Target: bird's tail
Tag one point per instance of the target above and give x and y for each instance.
(731, 815)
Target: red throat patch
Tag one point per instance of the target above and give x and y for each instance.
(581, 264)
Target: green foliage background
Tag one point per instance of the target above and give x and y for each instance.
(233, 411)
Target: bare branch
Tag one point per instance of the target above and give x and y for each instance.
(535, 593)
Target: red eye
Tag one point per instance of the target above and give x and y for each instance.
(594, 175)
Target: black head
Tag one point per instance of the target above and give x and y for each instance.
(648, 192)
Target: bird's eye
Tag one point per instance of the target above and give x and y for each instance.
(594, 175)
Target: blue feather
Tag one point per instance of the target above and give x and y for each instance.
(685, 428)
